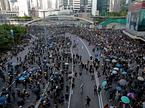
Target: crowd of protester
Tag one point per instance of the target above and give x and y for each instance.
(124, 53)
(123, 59)
(25, 82)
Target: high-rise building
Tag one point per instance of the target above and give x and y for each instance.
(65, 4)
(114, 5)
(57, 4)
(89, 5)
(135, 25)
(86, 5)
(34, 4)
(39, 4)
(94, 7)
(103, 7)
(4, 5)
(47, 4)
(76, 5)
(14, 5)
(23, 7)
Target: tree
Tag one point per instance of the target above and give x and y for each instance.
(7, 40)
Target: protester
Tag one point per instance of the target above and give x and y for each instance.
(120, 59)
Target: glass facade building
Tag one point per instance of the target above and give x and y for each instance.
(136, 16)
(103, 7)
(141, 22)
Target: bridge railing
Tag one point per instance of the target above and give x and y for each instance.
(80, 18)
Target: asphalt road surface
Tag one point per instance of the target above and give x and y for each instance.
(78, 99)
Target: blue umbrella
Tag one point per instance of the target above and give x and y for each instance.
(124, 73)
(2, 100)
(118, 65)
(125, 99)
(22, 78)
(111, 56)
(118, 88)
(42, 98)
(121, 70)
(104, 83)
(114, 72)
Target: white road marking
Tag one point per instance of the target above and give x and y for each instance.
(85, 46)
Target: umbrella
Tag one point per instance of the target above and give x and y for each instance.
(114, 61)
(123, 82)
(104, 83)
(116, 68)
(42, 98)
(107, 60)
(140, 78)
(22, 78)
(125, 99)
(66, 63)
(2, 100)
(124, 73)
(121, 69)
(131, 95)
(118, 65)
(113, 56)
(114, 72)
(118, 88)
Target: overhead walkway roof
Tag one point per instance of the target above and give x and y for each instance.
(113, 20)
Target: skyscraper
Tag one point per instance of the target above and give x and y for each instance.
(86, 5)
(57, 4)
(65, 4)
(4, 5)
(114, 5)
(14, 5)
(94, 7)
(103, 7)
(23, 7)
(76, 5)
(89, 5)
(34, 4)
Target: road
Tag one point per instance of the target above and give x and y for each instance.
(78, 99)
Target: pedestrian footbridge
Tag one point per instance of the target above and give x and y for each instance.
(60, 17)
(73, 17)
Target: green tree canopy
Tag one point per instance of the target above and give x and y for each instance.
(7, 40)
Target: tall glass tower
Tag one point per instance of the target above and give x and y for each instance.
(103, 7)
